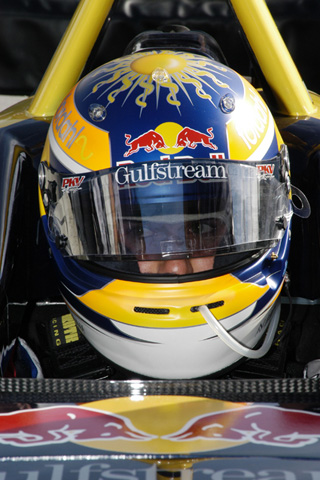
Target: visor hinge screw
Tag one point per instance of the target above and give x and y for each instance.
(61, 241)
(274, 256)
(282, 223)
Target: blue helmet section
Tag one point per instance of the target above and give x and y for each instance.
(185, 115)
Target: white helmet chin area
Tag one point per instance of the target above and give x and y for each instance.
(185, 352)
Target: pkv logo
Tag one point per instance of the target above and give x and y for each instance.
(169, 138)
(72, 183)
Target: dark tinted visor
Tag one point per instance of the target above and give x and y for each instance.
(167, 209)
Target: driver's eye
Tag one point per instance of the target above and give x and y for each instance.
(207, 229)
(200, 228)
(133, 229)
(133, 236)
(193, 228)
(137, 230)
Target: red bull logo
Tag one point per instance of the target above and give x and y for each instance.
(66, 424)
(258, 424)
(190, 138)
(149, 142)
(161, 425)
(169, 138)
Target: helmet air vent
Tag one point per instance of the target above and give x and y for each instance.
(152, 311)
(210, 306)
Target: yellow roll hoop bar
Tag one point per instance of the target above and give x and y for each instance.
(274, 59)
(70, 57)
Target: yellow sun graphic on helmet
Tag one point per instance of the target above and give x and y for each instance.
(145, 74)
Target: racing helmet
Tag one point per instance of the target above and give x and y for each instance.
(166, 201)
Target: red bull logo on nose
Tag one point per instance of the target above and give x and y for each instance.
(66, 424)
(162, 425)
(264, 425)
(169, 138)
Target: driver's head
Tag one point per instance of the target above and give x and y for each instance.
(163, 173)
(188, 177)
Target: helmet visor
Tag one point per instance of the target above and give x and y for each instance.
(167, 209)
